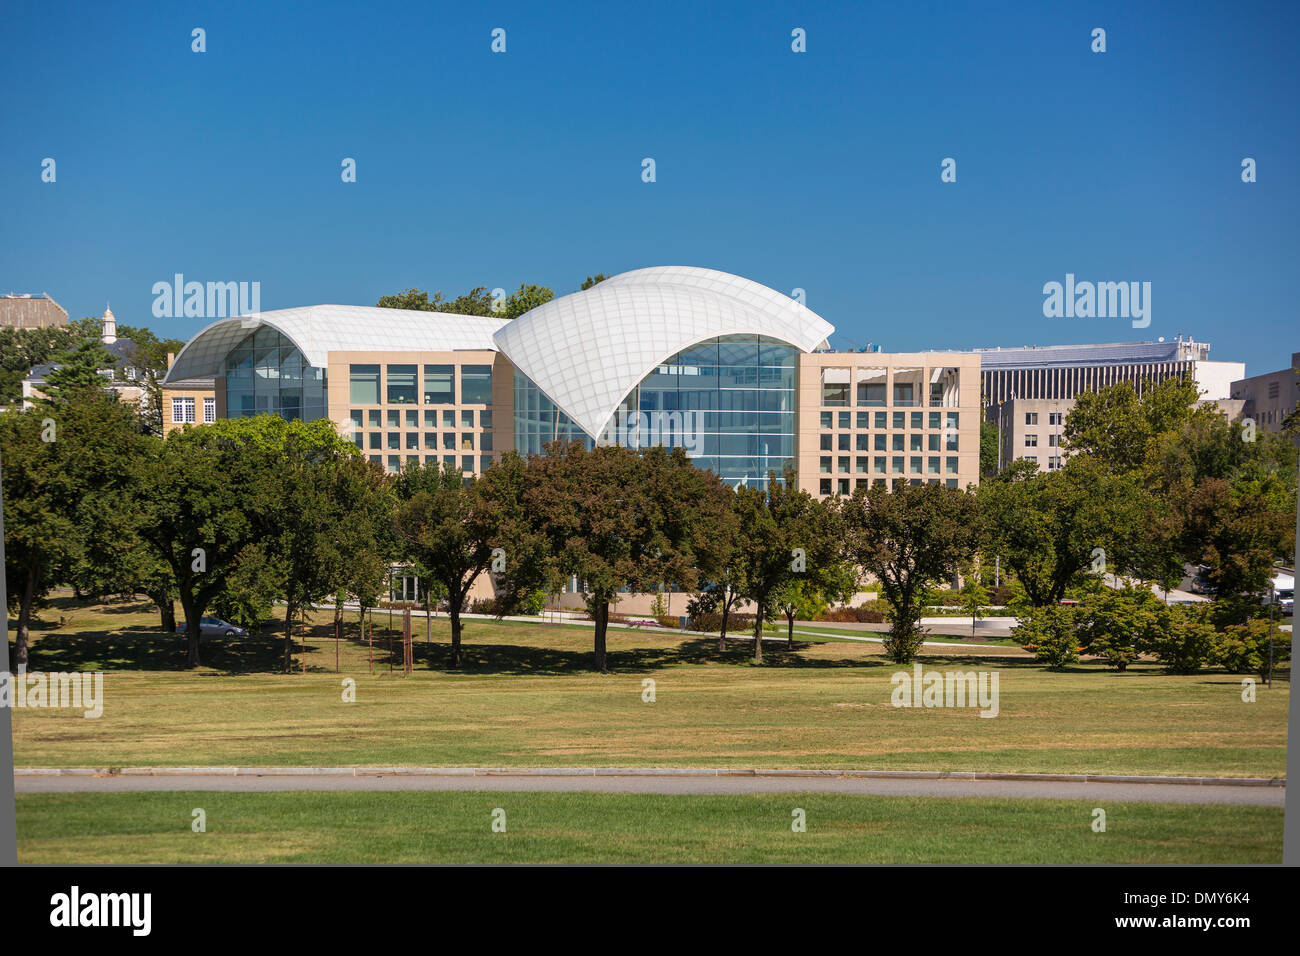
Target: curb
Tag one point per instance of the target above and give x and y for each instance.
(631, 772)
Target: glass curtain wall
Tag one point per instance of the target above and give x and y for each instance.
(267, 375)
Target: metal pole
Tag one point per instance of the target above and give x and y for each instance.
(8, 828)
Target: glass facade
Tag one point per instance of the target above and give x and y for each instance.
(266, 375)
(729, 401)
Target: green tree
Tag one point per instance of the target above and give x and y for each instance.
(68, 495)
(590, 281)
(989, 450)
(524, 299)
(79, 368)
(783, 535)
(910, 539)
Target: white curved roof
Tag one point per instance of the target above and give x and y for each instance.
(586, 351)
(319, 329)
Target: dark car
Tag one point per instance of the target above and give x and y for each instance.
(214, 626)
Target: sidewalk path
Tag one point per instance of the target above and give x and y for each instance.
(1238, 791)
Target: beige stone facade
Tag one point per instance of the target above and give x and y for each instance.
(867, 418)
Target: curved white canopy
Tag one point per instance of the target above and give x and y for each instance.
(586, 351)
(318, 330)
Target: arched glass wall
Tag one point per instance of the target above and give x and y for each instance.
(729, 401)
(266, 375)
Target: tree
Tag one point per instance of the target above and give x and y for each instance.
(205, 494)
(1051, 528)
(524, 299)
(1051, 632)
(989, 450)
(810, 596)
(68, 494)
(619, 520)
(974, 596)
(590, 281)
(909, 539)
(783, 534)
(446, 527)
(1118, 428)
(78, 368)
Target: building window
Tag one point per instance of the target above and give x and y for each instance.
(448, 418)
(412, 441)
(402, 385)
(835, 386)
(863, 441)
(467, 441)
(827, 418)
(448, 440)
(364, 384)
(394, 441)
(933, 465)
(825, 487)
(843, 463)
(915, 421)
(440, 385)
(1054, 440)
(375, 418)
(952, 466)
(467, 418)
(844, 419)
(863, 419)
(898, 440)
(1031, 441)
(881, 442)
(485, 441)
(1031, 418)
(183, 411)
(843, 486)
(825, 464)
(842, 441)
(862, 464)
(476, 384)
(376, 441)
(210, 411)
(1054, 418)
(467, 463)
(880, 465)
(485, 418)
(394, 418)
(915, 440)
(431, 440)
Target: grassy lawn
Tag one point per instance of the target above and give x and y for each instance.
(425, 827)
(527, 698)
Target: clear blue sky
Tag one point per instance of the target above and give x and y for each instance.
(817, 170)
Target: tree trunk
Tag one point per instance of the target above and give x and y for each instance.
(24, 620)
(758, 634)
(166, 614)
(790, 632)
(288, 636)
(191, 631)
(602, 624)
(722, 631)
(453, 611)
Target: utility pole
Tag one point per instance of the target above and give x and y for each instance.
(8, 826)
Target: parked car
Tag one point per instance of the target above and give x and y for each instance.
(214, 627)
(1286, 601)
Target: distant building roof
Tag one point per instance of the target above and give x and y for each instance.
(1109, 353)
(31, 310)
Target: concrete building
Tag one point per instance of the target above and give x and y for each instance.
(1270, 398)
(736, 373)
(190, 401)
(31, 311)
(1063, 371)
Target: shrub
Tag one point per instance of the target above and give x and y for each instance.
(871, 612)
(1183, 639)
(1115, 625)
(1051, 632)
(710, 622)
(1243, 648)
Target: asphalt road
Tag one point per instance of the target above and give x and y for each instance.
(676, 783)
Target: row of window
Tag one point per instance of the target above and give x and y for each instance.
(375, 418)
(1054, 440)
(467, 463)
(895, 420)
(183, 411)
(403, 385)
(893, 441)
(411, 440)
(1053, 418)
(1053, 461)
(841, 485)
(880, 462)
(869, 393)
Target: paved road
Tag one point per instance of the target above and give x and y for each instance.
(1005, 787)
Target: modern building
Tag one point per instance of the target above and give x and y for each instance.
(1270, 398)
(31, 311)
(738, 374)
(1064, 371)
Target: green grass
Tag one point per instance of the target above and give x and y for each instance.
(431, 827)
(527, 697)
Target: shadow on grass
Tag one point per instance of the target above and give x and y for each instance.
(58, 647)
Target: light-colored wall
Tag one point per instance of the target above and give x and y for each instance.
(1269, 398)
(196, 392)
(502, 407)
(808, 439)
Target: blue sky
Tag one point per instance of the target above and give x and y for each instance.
(817, 170)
